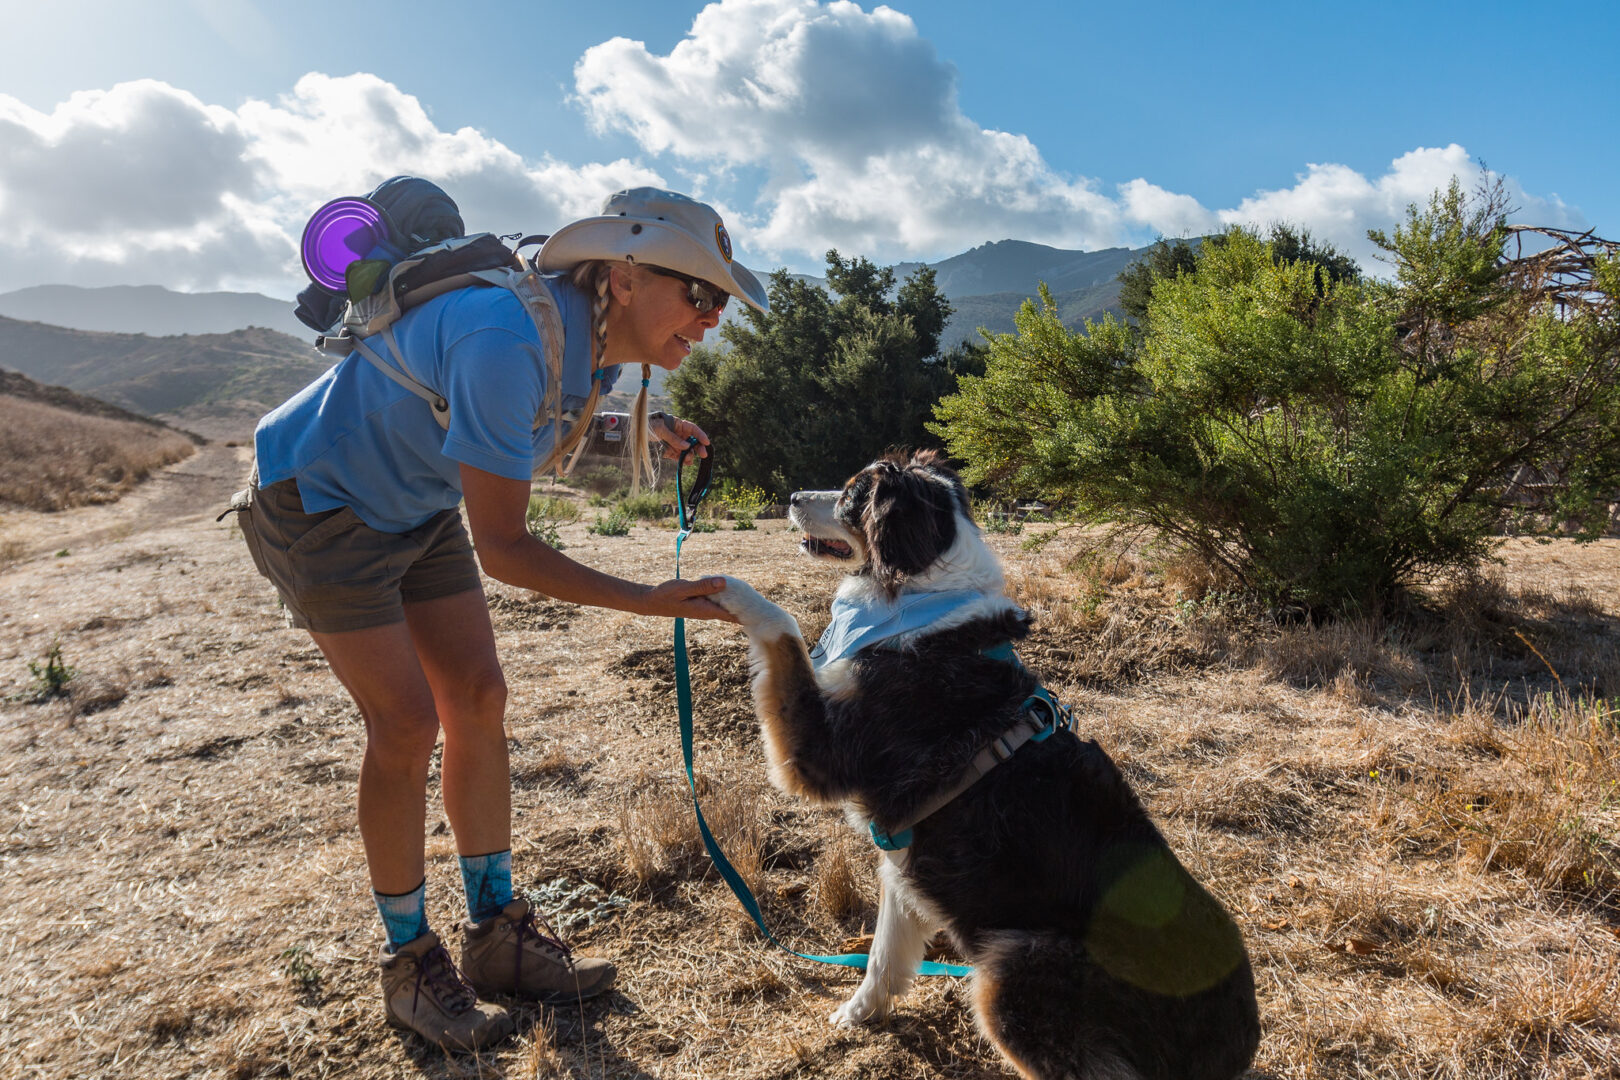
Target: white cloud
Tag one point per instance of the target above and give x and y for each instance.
(1339, 205)
(854, 119)
(810, 125)
(143, 183)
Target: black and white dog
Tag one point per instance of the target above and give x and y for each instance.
(1095, 954)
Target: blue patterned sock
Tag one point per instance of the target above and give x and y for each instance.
(405, 916)
(488, 880)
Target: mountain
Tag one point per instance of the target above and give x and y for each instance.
(16, 385)
(212, 348)
(151, 309)
(988, 284)
(1015, 266)
(253, 369)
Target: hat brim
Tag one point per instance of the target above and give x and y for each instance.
(651, 242)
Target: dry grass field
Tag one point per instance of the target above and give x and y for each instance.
(1416, 821)
(52, 458)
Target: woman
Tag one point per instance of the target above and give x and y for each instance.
(353, 516)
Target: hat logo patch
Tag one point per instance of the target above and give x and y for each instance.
(722, 240)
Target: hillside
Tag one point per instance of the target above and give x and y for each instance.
(253, 368)
(150, 309)
(59, 448)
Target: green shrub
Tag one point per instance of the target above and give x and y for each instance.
(1325, 441)
(546, 512)
(650, 505)
(617, 523)
(51, 678)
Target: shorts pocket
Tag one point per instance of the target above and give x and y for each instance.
(324, 530)
(250, 536)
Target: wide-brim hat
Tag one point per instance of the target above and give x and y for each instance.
(656, 228)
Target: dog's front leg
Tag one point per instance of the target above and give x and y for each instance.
(898, 946)
(792, 714)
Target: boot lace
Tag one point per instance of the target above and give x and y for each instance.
(437, 973)
(527, 929)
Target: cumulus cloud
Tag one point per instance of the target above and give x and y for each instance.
(809, 125)
(144, 183)
(854, 119)
(1339, 205)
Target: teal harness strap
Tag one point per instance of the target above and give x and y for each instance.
(683, 705)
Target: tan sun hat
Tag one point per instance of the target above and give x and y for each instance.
(656, 228)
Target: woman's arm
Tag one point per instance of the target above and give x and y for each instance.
(497, 513)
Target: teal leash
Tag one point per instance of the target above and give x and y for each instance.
(683, 705)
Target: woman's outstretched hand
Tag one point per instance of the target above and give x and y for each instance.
(678, 598)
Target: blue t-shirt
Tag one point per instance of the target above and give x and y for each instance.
(355, 438)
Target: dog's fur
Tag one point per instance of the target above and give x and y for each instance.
(1096, 955)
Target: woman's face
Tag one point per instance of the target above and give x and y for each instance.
(654, 321)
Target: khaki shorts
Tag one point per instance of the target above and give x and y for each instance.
(336, 573)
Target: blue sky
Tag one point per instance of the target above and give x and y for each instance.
(182, 142)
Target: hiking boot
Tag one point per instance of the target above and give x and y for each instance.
(423, 992)
(509, 955)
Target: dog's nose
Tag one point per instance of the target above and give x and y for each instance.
(794, 500)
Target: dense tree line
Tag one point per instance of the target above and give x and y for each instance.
(810, 392)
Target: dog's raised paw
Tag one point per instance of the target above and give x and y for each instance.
(758, 616)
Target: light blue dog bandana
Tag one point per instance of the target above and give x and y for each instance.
(854, 625)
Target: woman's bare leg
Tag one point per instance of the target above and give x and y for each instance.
(380, 669)
(456, 646)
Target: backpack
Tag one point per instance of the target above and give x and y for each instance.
(445, 263)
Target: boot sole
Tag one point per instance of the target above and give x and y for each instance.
(548, 997)
(446, 1044)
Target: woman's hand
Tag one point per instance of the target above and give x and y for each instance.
(678, 598)
(673, 432)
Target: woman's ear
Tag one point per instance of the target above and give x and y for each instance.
(620, 283)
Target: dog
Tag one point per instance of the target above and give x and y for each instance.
(1095, 954)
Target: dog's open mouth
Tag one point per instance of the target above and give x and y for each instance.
(832, 549)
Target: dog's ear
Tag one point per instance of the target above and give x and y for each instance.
(909, 523)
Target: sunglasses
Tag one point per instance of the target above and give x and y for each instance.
(699, 293)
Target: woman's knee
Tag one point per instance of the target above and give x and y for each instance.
(403, 740)
(475, 698)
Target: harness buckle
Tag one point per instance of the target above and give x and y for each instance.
(1040, 703)
(887, 842)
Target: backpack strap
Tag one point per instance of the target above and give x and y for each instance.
(536, 299)
(399, 373)
(526, 285)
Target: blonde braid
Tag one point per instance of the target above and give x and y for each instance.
(596, 276)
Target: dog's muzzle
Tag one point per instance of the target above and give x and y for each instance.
(814, 514)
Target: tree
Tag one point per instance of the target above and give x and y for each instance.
(1167, 260)
(1326, 440)
(810, 392)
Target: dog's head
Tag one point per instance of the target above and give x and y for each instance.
(898, 520)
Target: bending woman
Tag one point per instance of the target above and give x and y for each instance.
(353, 517)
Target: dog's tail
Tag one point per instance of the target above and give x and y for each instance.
(1054, 1012)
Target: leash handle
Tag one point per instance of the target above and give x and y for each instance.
(686, 505)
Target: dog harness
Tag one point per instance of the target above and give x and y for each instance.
(1038, 716)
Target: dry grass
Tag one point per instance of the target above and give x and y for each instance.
(51, 458)
(1414, 820)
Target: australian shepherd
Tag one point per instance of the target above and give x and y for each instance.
(1095, 954)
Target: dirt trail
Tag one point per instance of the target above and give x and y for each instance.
(201, 484)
